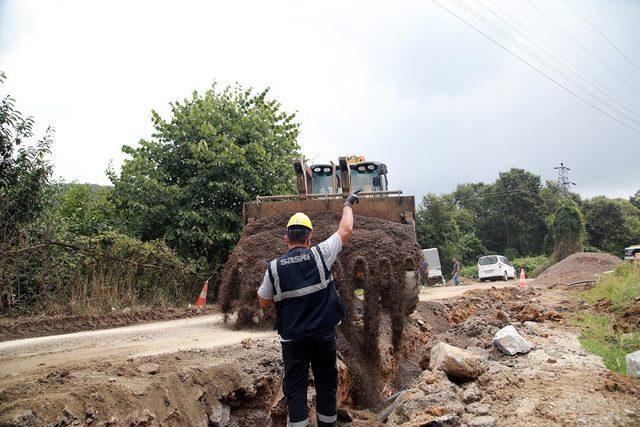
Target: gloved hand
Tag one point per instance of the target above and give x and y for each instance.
(353, 198)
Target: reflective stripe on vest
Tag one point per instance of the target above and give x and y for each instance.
(279, 295)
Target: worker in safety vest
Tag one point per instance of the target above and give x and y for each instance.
(308, 310)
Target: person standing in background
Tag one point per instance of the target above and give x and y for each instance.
(456, 271)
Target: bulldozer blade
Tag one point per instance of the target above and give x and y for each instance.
(399, 209)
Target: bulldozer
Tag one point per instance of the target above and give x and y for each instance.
(376, 272)
(378, 267)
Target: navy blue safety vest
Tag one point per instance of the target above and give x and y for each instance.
(304, 294)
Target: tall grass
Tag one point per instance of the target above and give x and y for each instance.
(597, 334)
(620, 287)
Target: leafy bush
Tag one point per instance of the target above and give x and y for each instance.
(469, 271)
(533, 265)
(567, 230)
(95, 274)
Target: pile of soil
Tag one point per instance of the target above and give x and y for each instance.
(629, 319)
(13, 328)
(376, 258)
(582, 266)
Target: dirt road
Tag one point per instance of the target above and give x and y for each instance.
(443, 292)
(20, 357)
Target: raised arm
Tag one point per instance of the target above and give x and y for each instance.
(346, 223)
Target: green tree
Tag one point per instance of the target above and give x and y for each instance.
(567, 230)
(188, 183)
(635, 199)
(605, 224)
(441, 224)
(514, 216)
(24, 169)
(84, 209)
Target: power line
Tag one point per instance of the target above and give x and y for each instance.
(604, 179)
(562, 60)
(535, 68)
(545, 63)
(583, 47)
(602, 35)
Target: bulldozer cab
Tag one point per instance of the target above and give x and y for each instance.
(323, 187)
(369, 176)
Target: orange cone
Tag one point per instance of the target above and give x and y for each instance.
(523, 282)
(202, 299)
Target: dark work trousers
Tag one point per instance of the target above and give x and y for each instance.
(319, 351)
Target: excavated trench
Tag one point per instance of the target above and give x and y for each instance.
(239, 384)
(368, 375)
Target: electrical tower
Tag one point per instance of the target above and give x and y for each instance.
(563, 179)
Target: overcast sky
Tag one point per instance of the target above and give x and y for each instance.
(403, 82)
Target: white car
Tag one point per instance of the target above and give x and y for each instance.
(495, 267)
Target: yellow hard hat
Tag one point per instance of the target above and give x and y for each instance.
(300, 219)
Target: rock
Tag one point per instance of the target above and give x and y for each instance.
(551, 360)
(478, 409)
(24, 419)
(449, 420)
(502, 315)
(633, 364)
(483, 421)
(149, 368)
(140, 418)
(510, 342)
(456, 362)
(423, 325)
(471, 394)
(432, 400)
(219, 415)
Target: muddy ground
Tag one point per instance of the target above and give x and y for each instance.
(557, 383)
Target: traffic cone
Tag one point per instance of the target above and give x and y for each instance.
(523, 282)
(202, 298)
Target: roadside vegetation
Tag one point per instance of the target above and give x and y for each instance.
(525, 220)
(612, 329)
(166, 224)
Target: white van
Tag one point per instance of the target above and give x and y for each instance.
(495, 267)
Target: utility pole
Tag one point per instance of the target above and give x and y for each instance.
(563, 179)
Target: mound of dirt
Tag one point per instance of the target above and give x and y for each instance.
(379, 249)
(582, 266)
(629, 319)
(376, 258)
